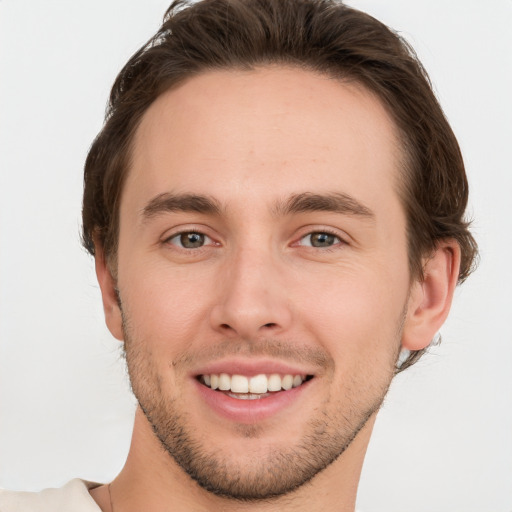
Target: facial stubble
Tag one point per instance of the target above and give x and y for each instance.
(277, 471)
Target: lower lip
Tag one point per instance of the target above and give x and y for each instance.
(250, 411)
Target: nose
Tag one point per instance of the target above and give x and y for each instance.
(252, 298)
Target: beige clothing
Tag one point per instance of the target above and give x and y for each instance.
(72, 497)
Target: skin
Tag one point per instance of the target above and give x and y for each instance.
(257, 290)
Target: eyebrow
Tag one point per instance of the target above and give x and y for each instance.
(336, 202)
(168, 203)
(298, 203)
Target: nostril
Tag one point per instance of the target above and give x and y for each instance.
(270, 325)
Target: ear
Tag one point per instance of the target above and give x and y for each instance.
(430, 299)
(111, 308)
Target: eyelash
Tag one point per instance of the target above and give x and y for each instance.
(169, 239)
(339, 241)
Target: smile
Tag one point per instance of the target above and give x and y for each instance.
(251, 388)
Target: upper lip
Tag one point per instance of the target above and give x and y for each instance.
(251, 367)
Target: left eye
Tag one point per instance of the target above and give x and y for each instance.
(189, 240)
(320, 239)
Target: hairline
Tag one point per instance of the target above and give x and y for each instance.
(402, 154)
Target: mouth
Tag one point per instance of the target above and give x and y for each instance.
(243, 387)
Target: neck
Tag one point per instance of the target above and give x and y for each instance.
(152, 481)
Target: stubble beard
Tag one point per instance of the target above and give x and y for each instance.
(278, 472)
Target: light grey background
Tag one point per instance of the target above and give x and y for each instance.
(442, 443)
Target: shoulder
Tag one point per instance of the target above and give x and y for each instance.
(72, 496)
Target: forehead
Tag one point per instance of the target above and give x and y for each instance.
(271, 130)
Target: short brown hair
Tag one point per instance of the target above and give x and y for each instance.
(323, 36)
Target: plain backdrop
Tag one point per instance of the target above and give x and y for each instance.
(443, 441)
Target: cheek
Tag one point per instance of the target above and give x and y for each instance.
(165, 304)
(356, 314)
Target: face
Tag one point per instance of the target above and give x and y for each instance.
(262, 273)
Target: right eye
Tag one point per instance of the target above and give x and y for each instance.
(190, 240)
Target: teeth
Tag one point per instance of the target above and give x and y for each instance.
(246, 396)
(274, 382)
(287, 382)
(239, 384)
(256, 385)
(224, 382)
(297, 381)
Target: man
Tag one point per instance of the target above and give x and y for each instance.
(276, 210)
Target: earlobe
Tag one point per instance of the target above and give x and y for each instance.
(111, 307)
(430, 299)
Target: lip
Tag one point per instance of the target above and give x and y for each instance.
(250, 411)
(252, 367)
